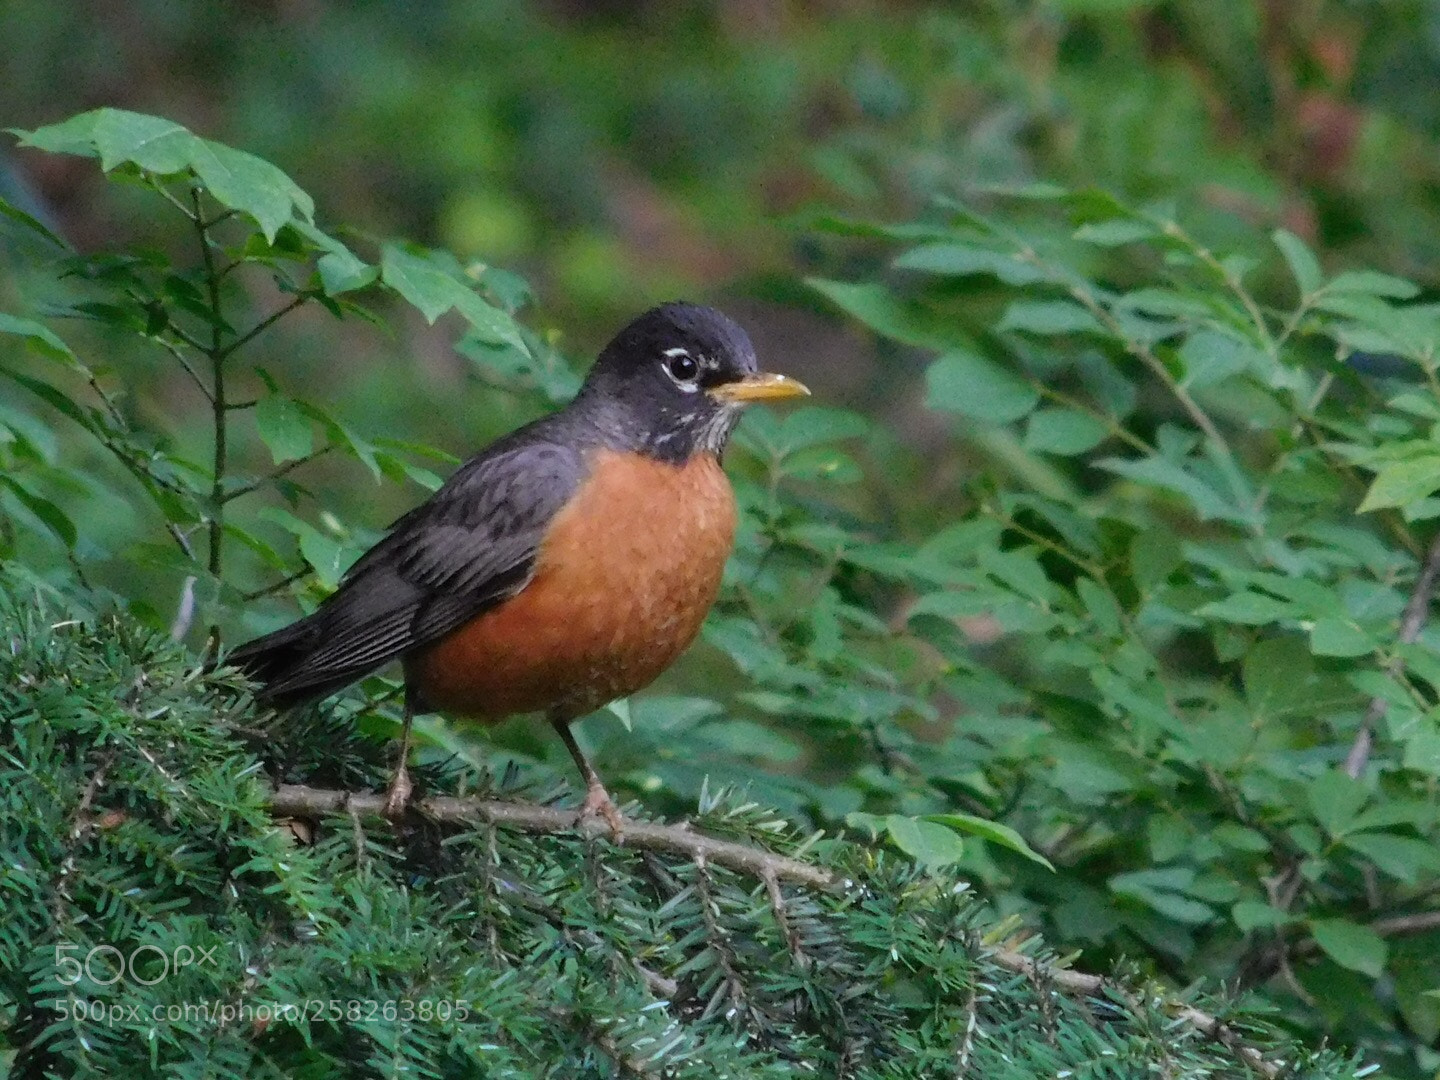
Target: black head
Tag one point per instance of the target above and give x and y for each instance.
(673, 382)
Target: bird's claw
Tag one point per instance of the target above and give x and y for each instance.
(599, 804)
(397, 796)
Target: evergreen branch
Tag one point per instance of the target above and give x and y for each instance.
(299, 801)
(1079, 983)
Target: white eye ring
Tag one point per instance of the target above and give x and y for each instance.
(682, 367)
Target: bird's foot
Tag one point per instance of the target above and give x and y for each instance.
(599, 804)
(397, 795)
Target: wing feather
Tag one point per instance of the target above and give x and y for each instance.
(472, 545)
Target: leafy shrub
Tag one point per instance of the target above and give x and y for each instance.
(1154, 686)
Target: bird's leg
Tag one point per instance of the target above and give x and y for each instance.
(597, 799)
(397, 796)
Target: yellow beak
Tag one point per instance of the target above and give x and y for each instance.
(762, 386)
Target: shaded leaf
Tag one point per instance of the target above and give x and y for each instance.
(1351, 945)
(965, 382)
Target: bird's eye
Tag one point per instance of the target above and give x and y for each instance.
(682, 367)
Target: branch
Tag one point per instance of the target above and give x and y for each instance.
(181, 359)
(770, 868)
(271, 590)
(263, 325)
(275, 474)
(295, 800)
(1077, 982)
(1417, 611)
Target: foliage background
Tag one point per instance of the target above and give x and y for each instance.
(616, 154)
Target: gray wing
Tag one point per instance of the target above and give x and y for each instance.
(470, 546)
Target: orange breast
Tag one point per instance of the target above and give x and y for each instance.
(622, 583)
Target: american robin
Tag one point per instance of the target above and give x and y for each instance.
(565, 566)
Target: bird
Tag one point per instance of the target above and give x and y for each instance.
(563, 567)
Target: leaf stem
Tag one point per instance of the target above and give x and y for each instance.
(218, 410)
(263, 325)
(274, 474)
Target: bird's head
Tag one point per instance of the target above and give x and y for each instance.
(673, 382)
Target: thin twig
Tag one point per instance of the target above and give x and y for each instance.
(271, 590)
(275, 474)
(181, 539)
(263, 325)
(187, 337)
(1417, 611)
(217, 394)
(184, 361)
(170, 197)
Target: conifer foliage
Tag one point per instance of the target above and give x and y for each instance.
(160, 918)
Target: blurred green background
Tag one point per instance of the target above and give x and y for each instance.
(613, 155)
(620, 154)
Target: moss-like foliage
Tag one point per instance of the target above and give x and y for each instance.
(159, 920)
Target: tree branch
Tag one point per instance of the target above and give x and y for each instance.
(1417, 611)
(680, 839)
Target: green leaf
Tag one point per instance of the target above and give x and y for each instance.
(811, 425)
(620, 709)
(1247, 609)
(1116, 232)
(1372, 283)
(436, 288)
(244, 182)
(1303, 264)
(35, 225)
(1063, 431)
(992, 831)
(1252, 915)
(931, 845)
(1161, 889)
(962, 259)
(235, 179)
(149, 142)
(1402, 857)
(39, 336)
(284, 428)
(1339, 637)
(1336, 800)
(1209, 357)
(73, 136)
(965, 382)
(1422, 751)
(50, 515)
(878, 308)
(1207, 503)
(1351, 945)
(1401, 482)
(1048, 318)
(341, 270)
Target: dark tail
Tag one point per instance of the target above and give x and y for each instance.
(278, 662)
